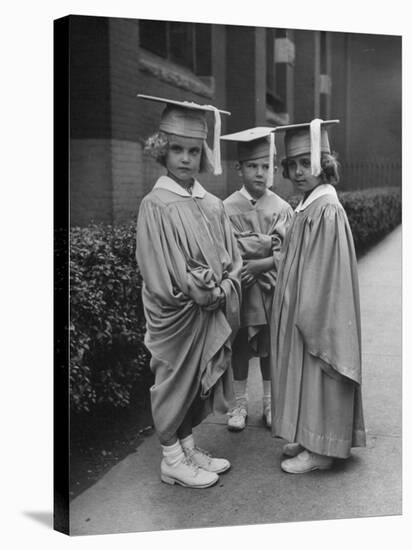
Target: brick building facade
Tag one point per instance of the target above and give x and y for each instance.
(264, 76)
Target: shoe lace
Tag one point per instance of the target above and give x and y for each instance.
(199, 450)
(187, 460)
(238, 411)
(202, 451)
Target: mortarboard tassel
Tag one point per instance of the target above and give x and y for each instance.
(315, 146)
(272, 153)
(216, 142)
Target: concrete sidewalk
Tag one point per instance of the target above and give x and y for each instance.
(130, 497)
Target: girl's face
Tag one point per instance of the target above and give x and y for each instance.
(254, 174)
(183, 157)
(300, 175)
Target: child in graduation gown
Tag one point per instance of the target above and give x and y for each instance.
(316, 344)
(259, 218)
(190, 265)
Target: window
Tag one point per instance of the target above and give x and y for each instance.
(186, 44)
(280, 60)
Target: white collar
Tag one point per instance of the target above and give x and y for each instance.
(319, 191)
(243, 191)
(164, 182)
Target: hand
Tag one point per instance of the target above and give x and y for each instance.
(219, 299)
(247, 279)
(222, 298)
(250, 270)
(252, 267)
(203, 297)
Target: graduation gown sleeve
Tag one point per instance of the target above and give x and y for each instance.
(278, 234)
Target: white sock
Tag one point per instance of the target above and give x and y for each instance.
(188, 442)
(240, 387)
(173, 454)
(266, 391)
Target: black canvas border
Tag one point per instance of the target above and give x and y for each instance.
(61, 152)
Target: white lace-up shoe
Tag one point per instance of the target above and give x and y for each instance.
(306, 462)
(237, 418)
(292, 449)
(204, 460)
(187, 474)
(267, 414)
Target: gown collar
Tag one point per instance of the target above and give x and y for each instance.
(243, 191)
(319, 191)
(164, 182)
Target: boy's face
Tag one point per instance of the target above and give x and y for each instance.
(300, 174)
(183, 157)
(254, 174)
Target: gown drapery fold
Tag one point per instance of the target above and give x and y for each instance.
(185, 248)
(316, 346)
(260, 230)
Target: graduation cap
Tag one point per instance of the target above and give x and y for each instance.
(255, 143)
(188, 119)
(308, 137)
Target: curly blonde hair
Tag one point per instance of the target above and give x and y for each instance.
(329, 164)
(157, 147)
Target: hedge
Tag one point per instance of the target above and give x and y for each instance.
(372, 214)
(108, 359)
(107, 354)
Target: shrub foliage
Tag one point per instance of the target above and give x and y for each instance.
(372, 214)
(108, 359)
(107, 354)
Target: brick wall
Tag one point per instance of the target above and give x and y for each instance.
(133, 119)
(91, 196)
(90, 125)
(109, 173)
(127, 171)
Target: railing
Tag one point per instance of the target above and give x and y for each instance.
(364, 174)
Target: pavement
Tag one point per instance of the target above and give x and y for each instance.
(131, 497)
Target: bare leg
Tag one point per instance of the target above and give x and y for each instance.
(168, 442)
(186, 426)
(240, 367)
(267, 405)
(183, 431)
(265, 368)
(240, 356)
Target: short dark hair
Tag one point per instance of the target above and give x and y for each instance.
(157, 147)
(330, 168)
